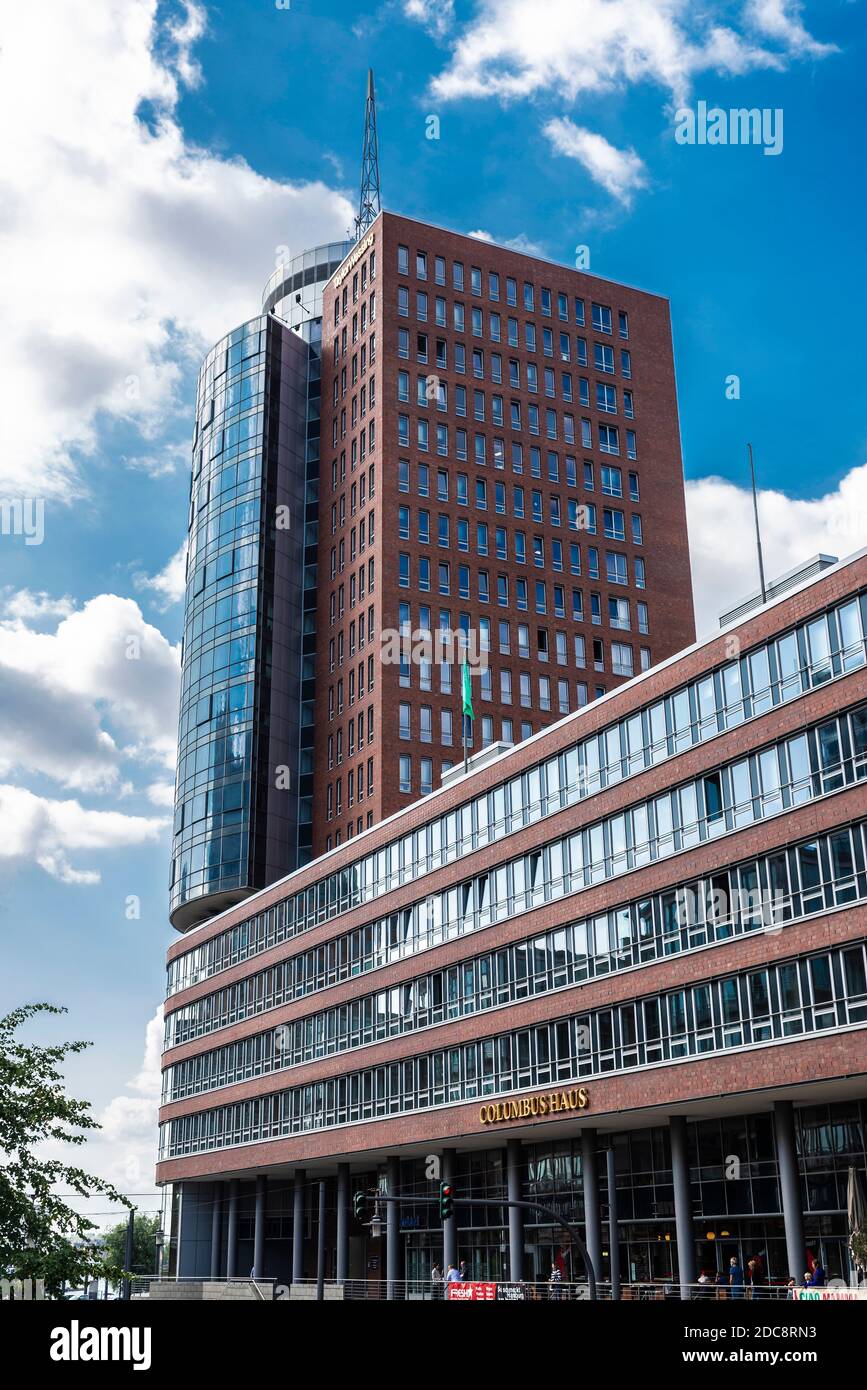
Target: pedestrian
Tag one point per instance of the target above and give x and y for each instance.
(755, 1277)
(436, 1281)
(817, 1278)
(555, 1285)
(453, 1276)
(790, 1289)
(705, 1285)
(736, 1278)
(465, 1272)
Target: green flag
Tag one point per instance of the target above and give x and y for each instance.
(466, 692)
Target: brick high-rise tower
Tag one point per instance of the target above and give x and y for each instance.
(499, 456)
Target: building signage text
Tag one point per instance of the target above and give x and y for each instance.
(528, 1107)
(352, 259)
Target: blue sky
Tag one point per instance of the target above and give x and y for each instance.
(163, 155)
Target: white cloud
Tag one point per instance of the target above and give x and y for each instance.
(162, 794)
(36, 830)
(521, 242)
(171, 580)
(620, 172)
(521, 48)
(103, 665)
(126, 251)
(721, 531)
(124, 1151)
(30, 607)
(166, 459)
(781, 20)
(437, 16)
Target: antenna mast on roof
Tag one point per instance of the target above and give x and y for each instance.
(368, 203)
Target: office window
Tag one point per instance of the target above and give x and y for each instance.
(405, 773)
(405, 727)
(618, 613)
(609, 439)
(615, 568)
(601, 318)
(403, 260)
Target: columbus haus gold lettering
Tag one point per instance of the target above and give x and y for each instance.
(525, 1107)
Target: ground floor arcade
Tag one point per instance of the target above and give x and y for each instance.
(766, 1181)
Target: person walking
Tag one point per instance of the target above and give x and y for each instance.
(465, 1272)
(755, 1278)
(555, 1285)
(453, 1275)
(736, 1278)
(436, 1281)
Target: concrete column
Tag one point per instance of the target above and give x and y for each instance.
(342, 1221)
(613, 1234)
(216, 1227)
(682, 1204)
(298, 1226)
(392, 1230)
(592, 1205)
(790, 1187)
(259, 1227)
(514, 1160)
(232, 1230)
(450, 1227)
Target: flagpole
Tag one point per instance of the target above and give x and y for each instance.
(464, 718)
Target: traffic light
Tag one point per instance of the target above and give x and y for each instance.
(447, 1201)
(359, 1203)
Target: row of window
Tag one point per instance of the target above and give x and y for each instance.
(608, 437)
(816, 875)
(601, 317)
(433, 391)
(568, 349)
(580, 517)
(810, 764)
(611, 478)
(822, 649)
(711, 911)
(515, 592)
(600, 314)
(794, 998)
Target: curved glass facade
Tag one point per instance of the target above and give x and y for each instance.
(294, 289)
(246, 714)
(235, 817)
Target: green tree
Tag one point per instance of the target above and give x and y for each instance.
(143, 1245)
(41, 1237)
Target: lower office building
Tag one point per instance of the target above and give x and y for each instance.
(642, 930)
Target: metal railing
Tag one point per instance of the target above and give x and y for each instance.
(194, 1286)
(537, 1291)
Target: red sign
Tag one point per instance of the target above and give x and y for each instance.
(471, 1292)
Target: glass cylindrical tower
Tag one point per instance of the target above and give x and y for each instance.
(243, 788)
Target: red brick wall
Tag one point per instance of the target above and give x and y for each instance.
(662, 507)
